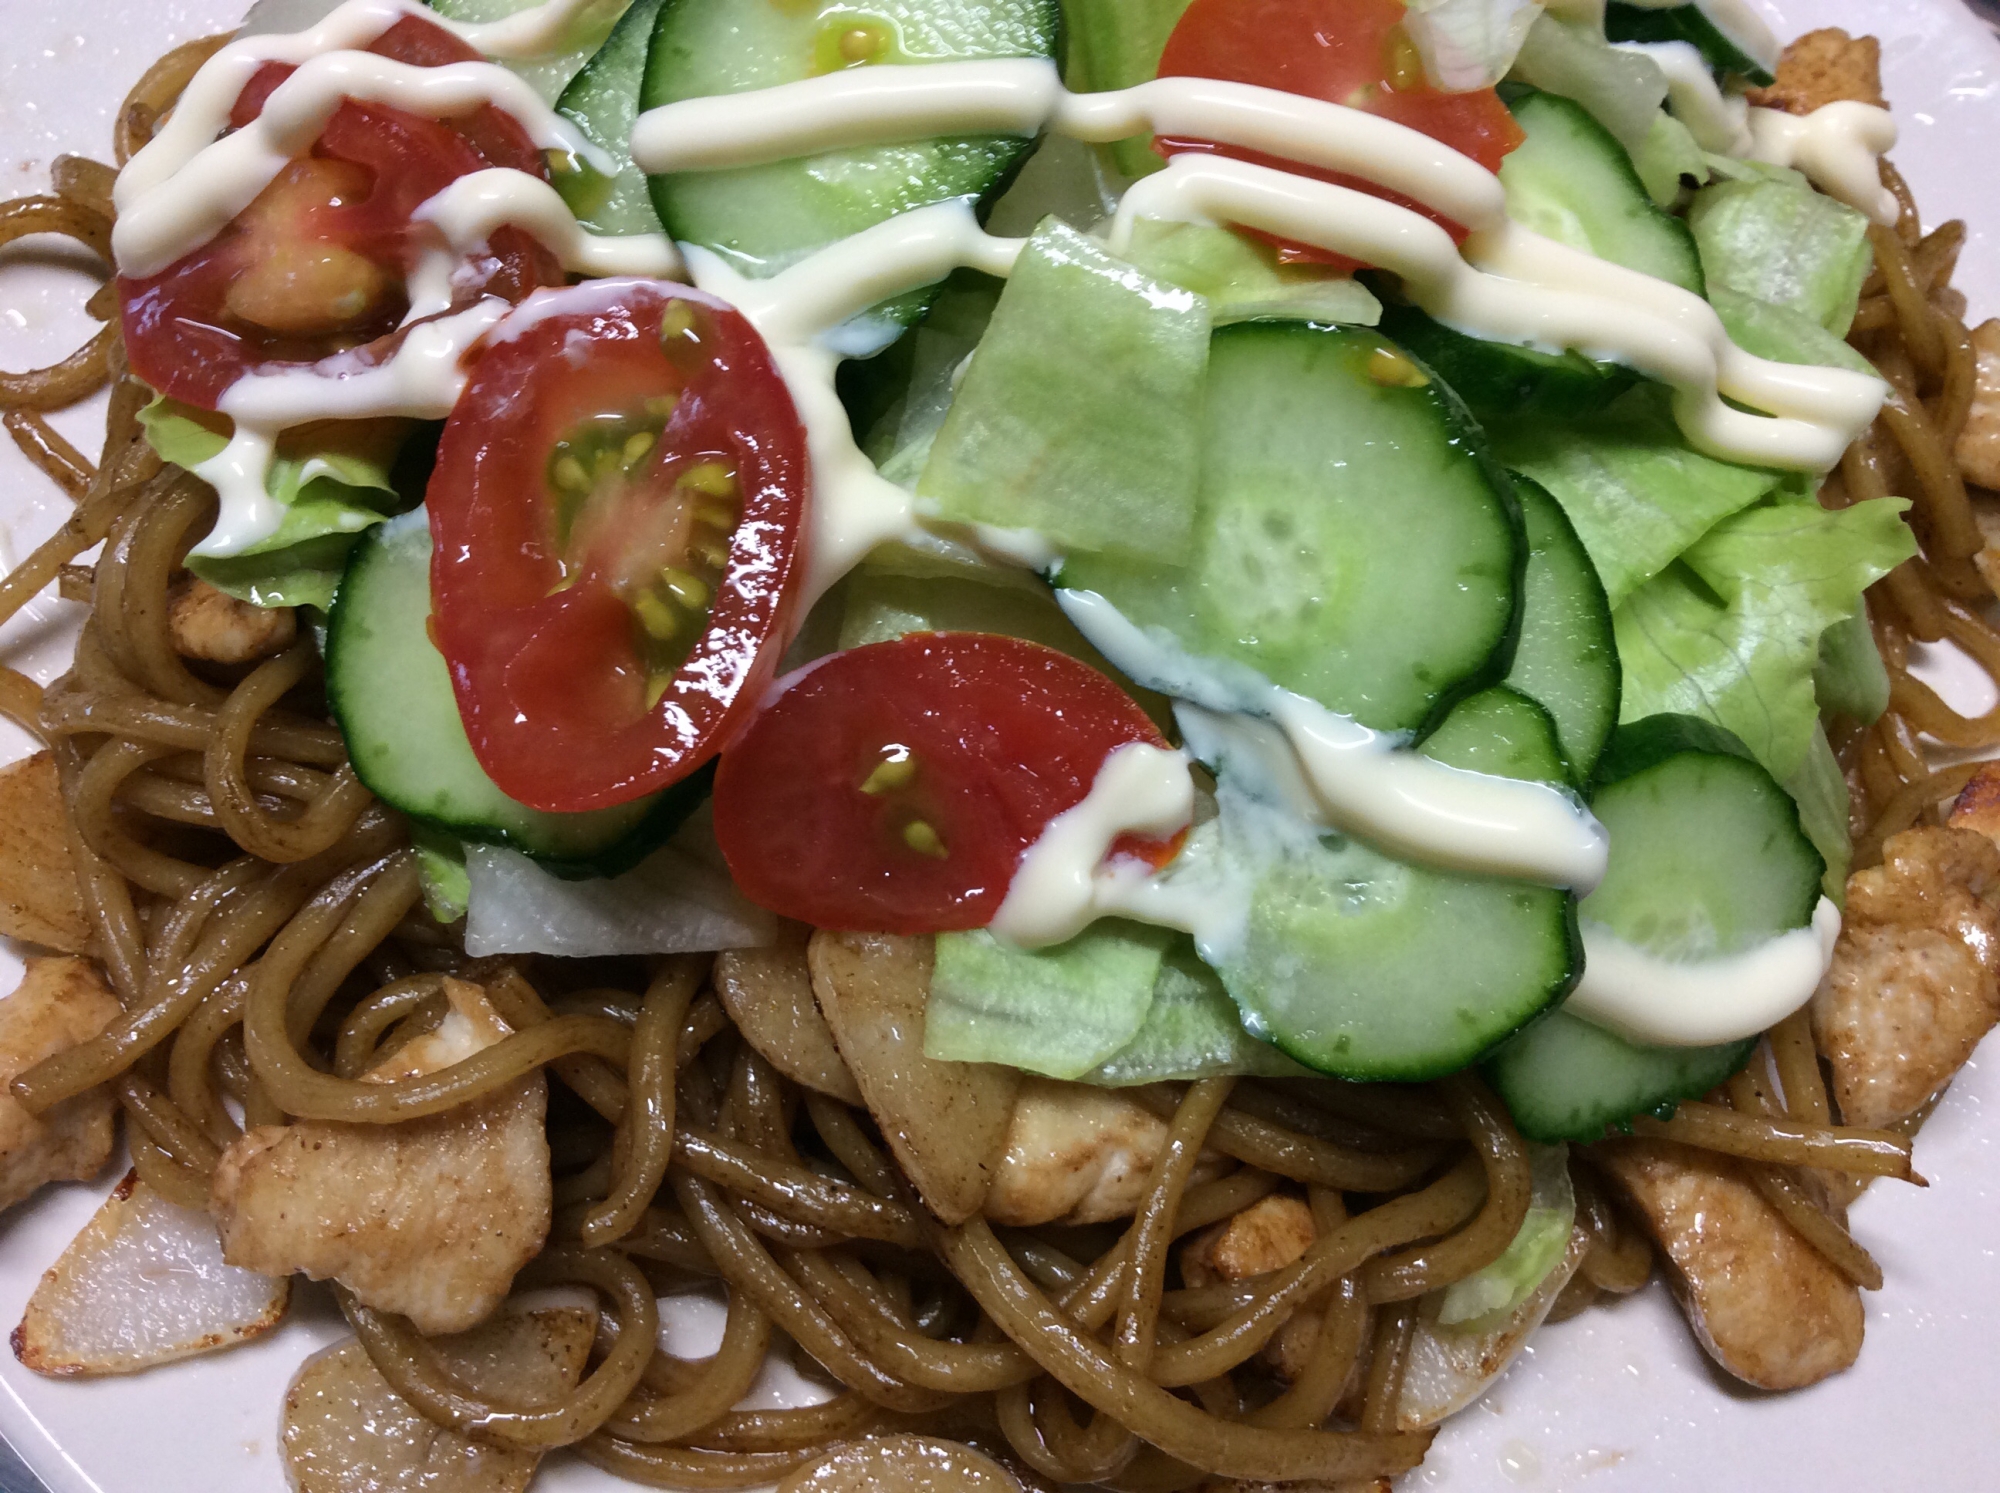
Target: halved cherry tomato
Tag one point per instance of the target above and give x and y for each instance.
(316, 265)
(893, 788)
(1352, 52)
(616, 512)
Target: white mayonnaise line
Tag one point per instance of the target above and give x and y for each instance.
(1581, 302)
(854, 508)
(1838, 146)
(1062, 883)
(1716, 120)
(527, 34)
(422, 379)
(1347, 777)
(1549, 296)
(222, 178)
(467, 212)
(1644, 998)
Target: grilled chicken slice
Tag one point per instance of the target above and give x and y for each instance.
(1915, 978)
(1077, 1154)
(1825, 67)
(58, 1004)
(1978, 448)
(1271, 1233)
(431, 1218)
(41, 901)
(1765, 1304)
(212, 625)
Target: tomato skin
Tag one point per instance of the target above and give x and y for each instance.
(1343, 51)
(179, 334)
(1004, 735)
(542, 648)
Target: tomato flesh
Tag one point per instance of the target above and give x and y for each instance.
(316, 265)
(1352, 52)
(894, 787)
(617, 511)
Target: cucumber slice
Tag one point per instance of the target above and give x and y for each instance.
(550, 74)
(763, 218)
(391, 694)
(1687, 23)
(1366, 968)
(603, 101)
(1079, 414)
(1498, 380)
(1501, 732)
(1564, 1079)
(1565, 657)
(1707, 858)
(1573, 182)
(1325, 453)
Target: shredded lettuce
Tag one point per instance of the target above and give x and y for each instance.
(1666, 156)
(330, 496)
(1850, 677)
(1780, 333)
(1481, 1300)
(1079, 414)
(1731, 631)
(1783, 243)
(1242, 279)
(1819, 788)
(1622, 91)
(441, 871)
(1636, 493)
(1057, 1011)
(1192, 1031)
(1469, 44)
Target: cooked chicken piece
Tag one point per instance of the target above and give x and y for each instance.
(1947, 880)
(346, 1431)
(142, 1284)
(1978, 448)
(1076, 1154)
(209, 624)
(1764, 1303)
(1912, 985)
(1825, 67)
(40, 900)
(59, 1003)
(1270, 1234)
(431, 1218)
(1899, 1012)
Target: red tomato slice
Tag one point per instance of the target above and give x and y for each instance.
(316, 264)
(893, 788)
(616, 512)
(1352, 52)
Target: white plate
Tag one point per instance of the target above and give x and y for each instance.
(1617, 1401)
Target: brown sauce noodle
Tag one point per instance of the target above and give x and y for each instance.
(259, 917)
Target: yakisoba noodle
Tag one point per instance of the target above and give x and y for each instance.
(260, 920)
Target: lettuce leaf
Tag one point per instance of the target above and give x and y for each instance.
(1636, 493)
(1731, 630)
(330, 495)
(1780, 333)
(1469, 44)
(1242, 280)
(1192, 1031)
(1484, 1298)
(1819, 788)
(1665, 156)
(1058, 1011)
(1622, 91)
(1783, 243)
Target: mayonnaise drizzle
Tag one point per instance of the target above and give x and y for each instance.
(1063, 881)
(1525, 288)
(1838, 146)
(1718, 121)
(1340, 774)
(1644, 998)
(467, 212)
